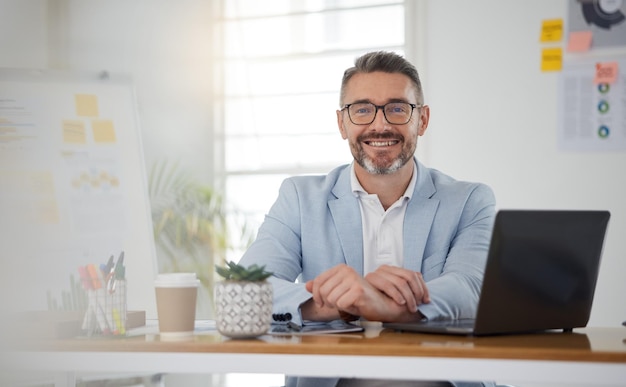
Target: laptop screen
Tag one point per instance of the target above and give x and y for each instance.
(542, 270)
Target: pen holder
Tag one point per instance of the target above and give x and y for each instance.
(106, 310)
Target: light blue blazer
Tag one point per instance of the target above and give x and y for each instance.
(315, 224)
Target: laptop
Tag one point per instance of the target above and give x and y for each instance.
(541, 274)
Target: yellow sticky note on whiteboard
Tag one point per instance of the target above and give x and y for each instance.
(86, 105)
(551, 30)
(74, 132)
(551, 59)
(103, 131)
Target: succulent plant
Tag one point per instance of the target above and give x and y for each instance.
(235, 272)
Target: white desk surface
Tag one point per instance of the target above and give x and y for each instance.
(590, 356)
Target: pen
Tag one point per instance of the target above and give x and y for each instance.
(109, 264)
(85, 278)
(105, 268)
(117, 272)
(118, 323)
(97, 297)
(95, 278)
(120, 270)
(294, 327)
(88, 320)
(101, 315)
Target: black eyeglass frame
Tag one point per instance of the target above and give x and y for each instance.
(381, 107)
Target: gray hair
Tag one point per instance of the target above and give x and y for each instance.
(387, 62)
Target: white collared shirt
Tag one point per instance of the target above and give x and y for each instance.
(382, 230)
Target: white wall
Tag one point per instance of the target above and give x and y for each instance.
(23, 32)
(494, 119)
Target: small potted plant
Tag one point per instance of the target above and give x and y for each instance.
(243, 301)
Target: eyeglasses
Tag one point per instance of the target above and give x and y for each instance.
(396, 113)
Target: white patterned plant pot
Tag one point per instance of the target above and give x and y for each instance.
(243, 308)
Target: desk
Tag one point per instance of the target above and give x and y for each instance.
(591, 356)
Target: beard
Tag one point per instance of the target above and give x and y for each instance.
(382, 163)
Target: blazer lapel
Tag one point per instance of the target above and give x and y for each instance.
(418, 219)
(347, 217)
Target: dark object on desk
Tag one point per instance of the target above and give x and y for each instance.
(314, 328)
(541, 274)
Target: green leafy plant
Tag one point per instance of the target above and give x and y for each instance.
(235, 272)
(193, 229)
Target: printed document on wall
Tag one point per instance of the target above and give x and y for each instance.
(592, 108)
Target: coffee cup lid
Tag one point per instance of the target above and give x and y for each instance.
(176, 280)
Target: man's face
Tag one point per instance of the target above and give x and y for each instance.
(381, 147)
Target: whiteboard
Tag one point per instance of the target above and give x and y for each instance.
(73, 187)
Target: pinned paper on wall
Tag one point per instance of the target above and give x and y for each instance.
(579, 41)
(551, 59)
(551, 30)
(592, 114)
(606, 72)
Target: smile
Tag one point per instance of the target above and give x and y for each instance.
(382, 143)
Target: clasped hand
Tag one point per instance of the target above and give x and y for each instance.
(388, 294)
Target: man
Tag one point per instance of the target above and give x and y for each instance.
(384, 238)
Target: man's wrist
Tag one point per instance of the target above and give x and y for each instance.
(310, 311)
(345, 316)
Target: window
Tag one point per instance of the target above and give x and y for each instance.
(279, 71)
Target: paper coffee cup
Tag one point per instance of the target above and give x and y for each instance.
(176, 295)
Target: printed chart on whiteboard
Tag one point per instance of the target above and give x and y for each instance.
(592, 114)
